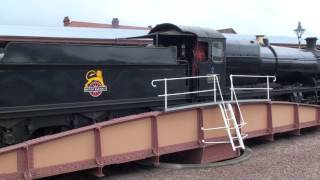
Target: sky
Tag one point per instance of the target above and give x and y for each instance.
(268, 17)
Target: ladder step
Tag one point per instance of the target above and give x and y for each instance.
(215, 142)
(242, 124)
(244, 135)
(217, 128)
(237, 139)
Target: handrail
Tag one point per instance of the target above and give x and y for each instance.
(166, 94)
(233, 92)
(232, 88)
(181, 78)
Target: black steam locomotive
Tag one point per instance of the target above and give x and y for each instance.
(48, 88)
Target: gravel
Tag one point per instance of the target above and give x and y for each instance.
(288, 157)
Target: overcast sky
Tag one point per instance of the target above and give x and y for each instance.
(269, 17)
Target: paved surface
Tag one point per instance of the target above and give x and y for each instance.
(289, 157)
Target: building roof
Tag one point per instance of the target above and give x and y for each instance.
(70, 32)
(100, 25)
(70, 35)
(115, 23)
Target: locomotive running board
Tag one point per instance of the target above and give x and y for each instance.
(148, 136)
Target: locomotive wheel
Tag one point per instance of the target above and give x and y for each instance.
(296, 97)
(7, 137)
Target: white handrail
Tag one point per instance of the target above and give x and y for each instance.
(232, 88)
(191, 92)
(181, 78)
(166, 94)
(233, 92)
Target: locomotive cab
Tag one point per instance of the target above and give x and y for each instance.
(203, 50)
(209, 59)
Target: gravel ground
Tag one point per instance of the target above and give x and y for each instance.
(289, 157)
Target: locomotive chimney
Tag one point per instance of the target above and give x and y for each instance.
(311, 43)
(259, 39)
(66, 21)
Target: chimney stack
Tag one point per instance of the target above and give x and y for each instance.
(311, 43)
(115, 22)
(66, 21)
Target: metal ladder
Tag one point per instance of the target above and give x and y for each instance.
(230, 123)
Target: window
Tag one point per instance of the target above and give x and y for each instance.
(217, 51)
(201, 53)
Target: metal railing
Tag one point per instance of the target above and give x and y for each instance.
(166, 94)
(233, 89)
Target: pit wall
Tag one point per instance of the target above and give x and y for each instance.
(149, 136)
(267, 119)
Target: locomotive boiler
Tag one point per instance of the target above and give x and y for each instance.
(290, 65)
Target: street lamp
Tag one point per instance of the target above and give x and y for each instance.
(299, 32)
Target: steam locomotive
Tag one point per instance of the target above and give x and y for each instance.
(47, 88)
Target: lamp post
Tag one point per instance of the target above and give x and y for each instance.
(299, 32)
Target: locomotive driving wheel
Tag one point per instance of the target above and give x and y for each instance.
(296, 97)
(6, 137)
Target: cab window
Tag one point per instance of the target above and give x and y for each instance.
(217, 51)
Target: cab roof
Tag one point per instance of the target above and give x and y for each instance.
(167, 28)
